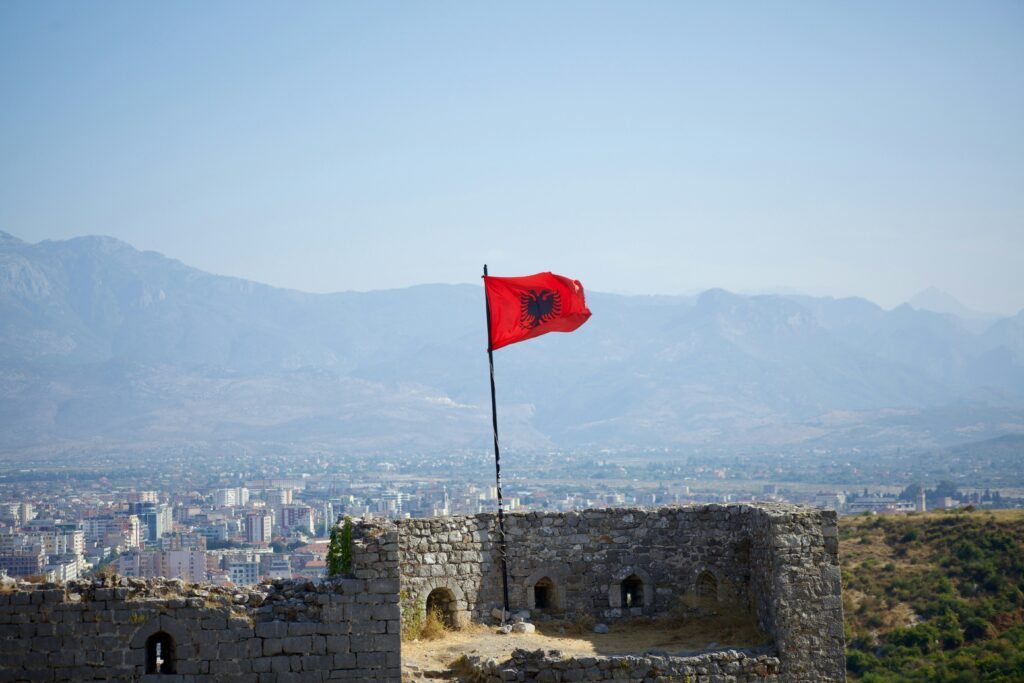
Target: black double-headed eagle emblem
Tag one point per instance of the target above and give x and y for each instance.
(537, 307)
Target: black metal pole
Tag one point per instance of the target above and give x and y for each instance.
(497, 462)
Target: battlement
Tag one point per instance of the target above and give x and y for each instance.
(779, 563)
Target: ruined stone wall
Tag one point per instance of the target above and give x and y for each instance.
(798, 587)
(341, 629)
(551, 667)
(586, 555)
(778, 561)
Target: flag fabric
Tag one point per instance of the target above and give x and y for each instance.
(526, 307)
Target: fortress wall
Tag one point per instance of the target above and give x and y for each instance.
(799, 588)
(778, 561)
(341, 629)
(586, 555)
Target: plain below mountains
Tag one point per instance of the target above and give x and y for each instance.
(103, 345)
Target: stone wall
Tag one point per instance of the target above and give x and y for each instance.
(779, 562)
(727, 666)
(586, 555)
(341, 629)
(797, 586)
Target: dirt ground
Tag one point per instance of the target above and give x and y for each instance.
(633, 637)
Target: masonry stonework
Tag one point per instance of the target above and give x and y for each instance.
(164, 630)
(777, 562)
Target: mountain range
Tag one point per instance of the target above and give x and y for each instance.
(104, 346)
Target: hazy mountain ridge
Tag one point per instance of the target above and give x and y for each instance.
(99, 341)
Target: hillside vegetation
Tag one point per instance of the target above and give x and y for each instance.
(934, 597)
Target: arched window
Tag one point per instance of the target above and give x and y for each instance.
(160, 654)
(544, 594)
(632, 591)
(442, 601)
(707, 586)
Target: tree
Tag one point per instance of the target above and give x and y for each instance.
(339, 552)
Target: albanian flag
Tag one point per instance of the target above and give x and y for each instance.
(526, 307)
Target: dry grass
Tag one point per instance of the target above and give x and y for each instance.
(434, 626)
(727, 628)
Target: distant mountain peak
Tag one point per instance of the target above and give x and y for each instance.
(717, 296)
(103, 243)
(8, 238)
(938, 301)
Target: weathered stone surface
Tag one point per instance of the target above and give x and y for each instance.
(777, 561)
(103, 629)
(730, 666)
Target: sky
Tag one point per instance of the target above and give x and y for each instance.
(869, 148)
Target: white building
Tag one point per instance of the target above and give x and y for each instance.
(830, 500)
(64, 567)
(124, 531)
(233, 497)
(276, 566)
(139, 563)
(189, 565)
(244, 572)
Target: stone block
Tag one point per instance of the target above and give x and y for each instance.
(303, 628)
(345, 660)
(272, 646)
(214, 623)
(385, 586)
(298, 645)
(272, 629)
(386, 611)
(370, 660)
(336, 644)
(317, 663)
(225, 667)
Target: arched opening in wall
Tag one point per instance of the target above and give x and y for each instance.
(440, 605)
(160, 654)
(632, 591)
(707, 587)
(544, 594)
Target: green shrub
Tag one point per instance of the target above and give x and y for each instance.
(339, 552)
(413, 617)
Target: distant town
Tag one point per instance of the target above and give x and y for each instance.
(239, 519)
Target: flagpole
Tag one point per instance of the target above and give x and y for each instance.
(497, 461)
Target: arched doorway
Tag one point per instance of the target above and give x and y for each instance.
(632, 588)
(706, 587)
(544, 594)
(160, 654)
(441, 601)
(631, 593)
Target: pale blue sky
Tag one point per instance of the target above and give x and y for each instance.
(870, 148)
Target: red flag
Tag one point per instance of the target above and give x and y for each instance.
(527, 307)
